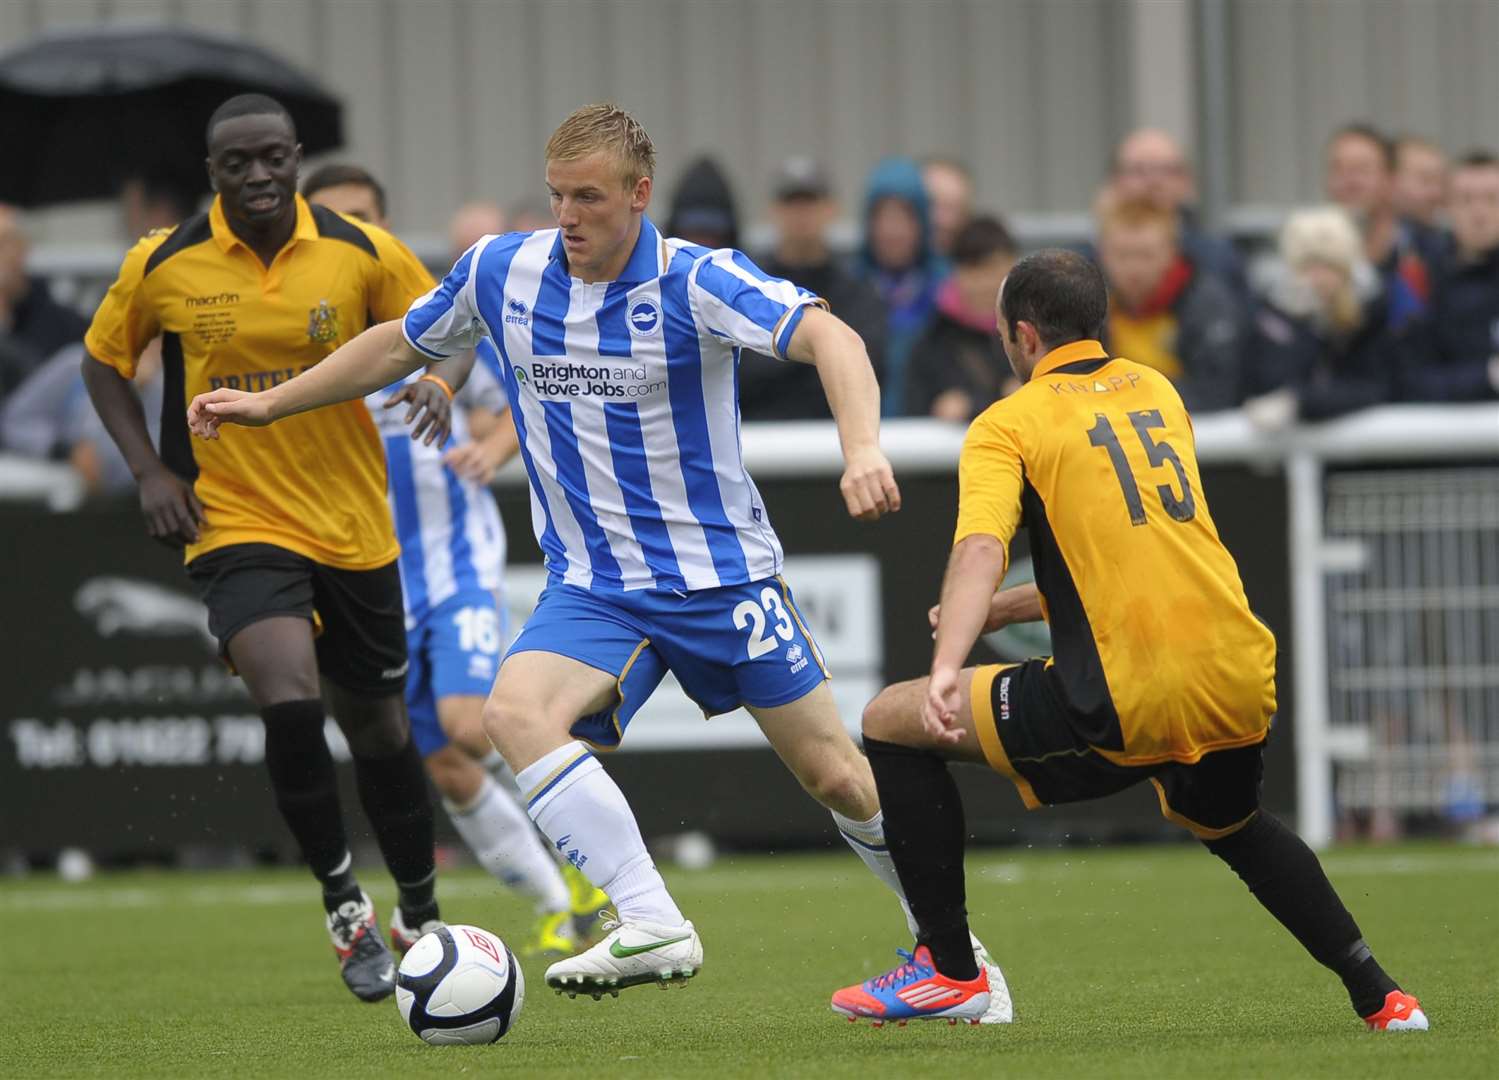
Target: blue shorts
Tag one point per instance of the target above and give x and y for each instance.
(732, 646)
(454, 651)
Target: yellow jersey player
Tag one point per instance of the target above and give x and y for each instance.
(1161, 674)
(288, 537)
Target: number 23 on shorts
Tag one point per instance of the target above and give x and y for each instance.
(766, 621)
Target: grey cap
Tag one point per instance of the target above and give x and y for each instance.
(801, 175)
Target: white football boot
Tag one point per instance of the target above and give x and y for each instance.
(631, 954)
(1001, 1009)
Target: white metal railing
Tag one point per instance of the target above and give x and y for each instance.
(1321, 553)
(1414, 636)
(51, 483)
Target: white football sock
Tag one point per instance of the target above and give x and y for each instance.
(867, 838)
(582, 811)
(496, 766)
(502, 838)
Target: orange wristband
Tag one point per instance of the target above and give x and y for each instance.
(440, 381)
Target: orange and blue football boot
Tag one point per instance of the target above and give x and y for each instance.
(915, 991)
(1401, 1012)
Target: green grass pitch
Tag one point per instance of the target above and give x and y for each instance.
(1127, 962)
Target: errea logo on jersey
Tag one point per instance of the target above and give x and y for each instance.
(516, 313)
(644, 317)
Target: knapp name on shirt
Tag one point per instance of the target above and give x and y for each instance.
(565, 379)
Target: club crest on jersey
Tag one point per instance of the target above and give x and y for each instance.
(644, 317)
(516, 313)
(322, 323)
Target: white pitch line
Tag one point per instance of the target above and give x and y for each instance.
(83, 897)
(724, 878)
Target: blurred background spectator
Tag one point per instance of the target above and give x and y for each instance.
(958, 366)
(949, 192)
(1150, 167)
(49, 418)
(349, 189)
(33, 326)
(157, 201)
(1164, 310)
(702, 207)
(802, 210)
(897, 257)
(1320, 347)
(1420, 192)
(1453, 353)
(469, 223)
(529, 214)
(1360, 177)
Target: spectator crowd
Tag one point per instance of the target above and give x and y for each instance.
(1388, 291)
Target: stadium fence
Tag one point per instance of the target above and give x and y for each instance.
(1369, 544)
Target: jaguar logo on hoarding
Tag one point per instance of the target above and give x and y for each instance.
(118, 605)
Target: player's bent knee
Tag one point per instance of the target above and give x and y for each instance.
(452, 781)
(503, 717)
(462, 720)
(840, 787)
(373, 727)
(516, 724)
(476, 742)
(894, 715)
(876, 719)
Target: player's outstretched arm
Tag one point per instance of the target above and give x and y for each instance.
(826, 341)
(1020, 603)
(378, 357)
(974, 570)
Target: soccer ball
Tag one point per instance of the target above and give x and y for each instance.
(459, 984)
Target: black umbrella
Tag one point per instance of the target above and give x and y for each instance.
(82, 110)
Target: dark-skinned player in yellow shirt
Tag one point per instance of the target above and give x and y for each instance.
(287, 535)
(1161, 674)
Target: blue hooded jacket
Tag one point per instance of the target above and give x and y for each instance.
(909, 294)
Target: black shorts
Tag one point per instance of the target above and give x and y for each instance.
(1025, 733)
(357, 616)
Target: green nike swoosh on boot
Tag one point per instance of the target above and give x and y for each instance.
(622, 951)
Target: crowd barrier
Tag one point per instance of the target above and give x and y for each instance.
(121, 733)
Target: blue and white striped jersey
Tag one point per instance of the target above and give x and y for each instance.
(626, 400)
(452, 539)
